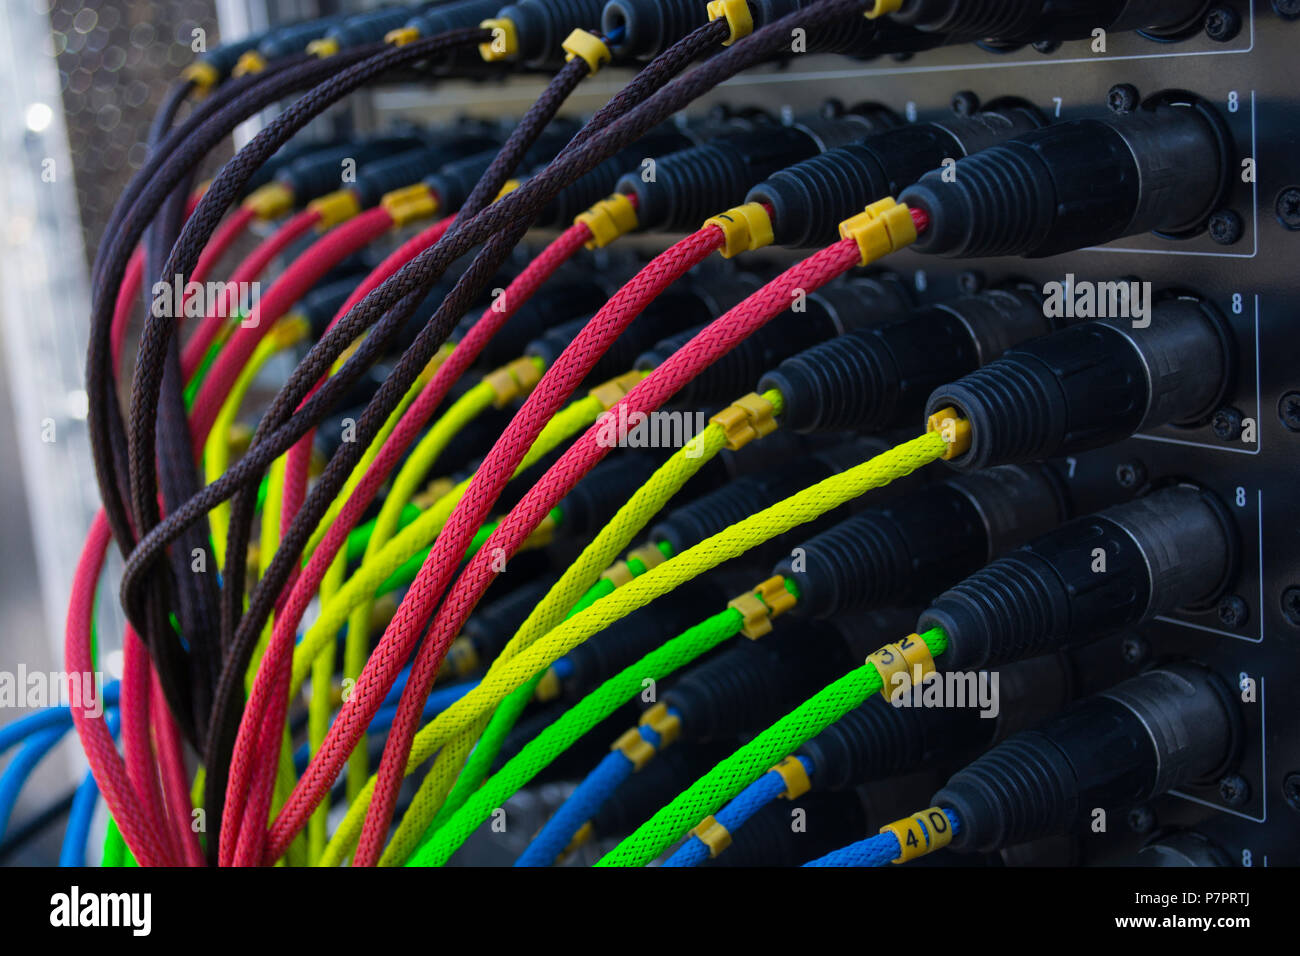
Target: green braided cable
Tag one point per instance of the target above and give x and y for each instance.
(539, 752)
(753, 760)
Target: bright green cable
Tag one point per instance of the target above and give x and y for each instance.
(539, 752)
(467, 715)
(754, 759)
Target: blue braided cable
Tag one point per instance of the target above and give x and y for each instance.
(879, 850)
(20, 768)
(736, 814)
(582, 805)
(20, 730)
(77, 836)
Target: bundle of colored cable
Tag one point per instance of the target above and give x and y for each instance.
(885, 847)
(731, 776)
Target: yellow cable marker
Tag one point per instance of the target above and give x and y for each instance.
(251, 62)
(635, 748)
(323, 47)
(202, 74)
(745, 228)
(608, 219)
(921, 833)
(590, 47)
(795, 776)
(738, 18)
(410, 203)
(668, 726)
(953, 429)
(270, 201)
(648, 555)
(882, 8)
(883, 227)
(505, 40)
(334, 208)
(746, 419)
(712, 834)
(401, 36)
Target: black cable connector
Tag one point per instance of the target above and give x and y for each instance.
(1027, 21)
(880, 377)
(1164, 167)
(542, 25)
(811, 198)
(911, 548)
(1094, 384)
(453, 183)
(320, 171)
(440, 18)
(1172, 549)
(1149, 735)
(826, 314)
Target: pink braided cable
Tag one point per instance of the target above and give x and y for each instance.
(269, 701)
(400, 636)
(137, 744)
(175, 778)
(705, 348)
(105, 762)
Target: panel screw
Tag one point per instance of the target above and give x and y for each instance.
(965, 103)
(1290, 9)
(1130, 474)
(1226, 227)
(1133, 650)
(1288, 204)
(1233, 612)
(1222, 24)
(1291, 605)
(1122, 98)
(1291, 790)
(1141, 820)
(1288, 410)
(970, 282)
(1226, 424)
(1234, 790)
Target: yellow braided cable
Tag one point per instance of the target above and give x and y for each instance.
(645, 503)
(372, 451)
(216, 450)
(418, 535)
(801, 507)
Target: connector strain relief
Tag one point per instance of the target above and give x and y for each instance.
(1016, 792)
(810, 199)
(1001, 613)
(1011, 411)
(874, 740)
(651, 26)
(687, 187)
(987, 205)
(833, 386)
(852, 565)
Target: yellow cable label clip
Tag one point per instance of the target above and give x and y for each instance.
(608, 219)
(909, 656)
(746, 419)
(738, 18)
(269, 201)
(462, 656)
(248, 64)
(618, 574)
(883, 8)
(712, 834)
(505, 40)
(795, 776)
(667, 726)
(611, 393)
(953, 429)
(513, 380)
(883, 227)
(745, 228)
(648, 555)
(410, 203)
(401, 36)
(202, 74)
(635, 748)
(334, 208)
(590, 47)
(921, 833)
(323, 47)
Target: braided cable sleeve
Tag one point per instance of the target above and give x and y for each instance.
(556, 385)
(563, 598)
(248, 270)
(709, 344)
(580, 807)
(878, 850)
(539, 752)
(734, 815)
(96, 739)
(797, 509)
(752, 760)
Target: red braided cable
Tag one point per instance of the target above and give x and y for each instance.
(137, 745)
(395, 647)
(175, 778)
(308, 269)
(710, 344)
(268, 702)
(257, 261)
